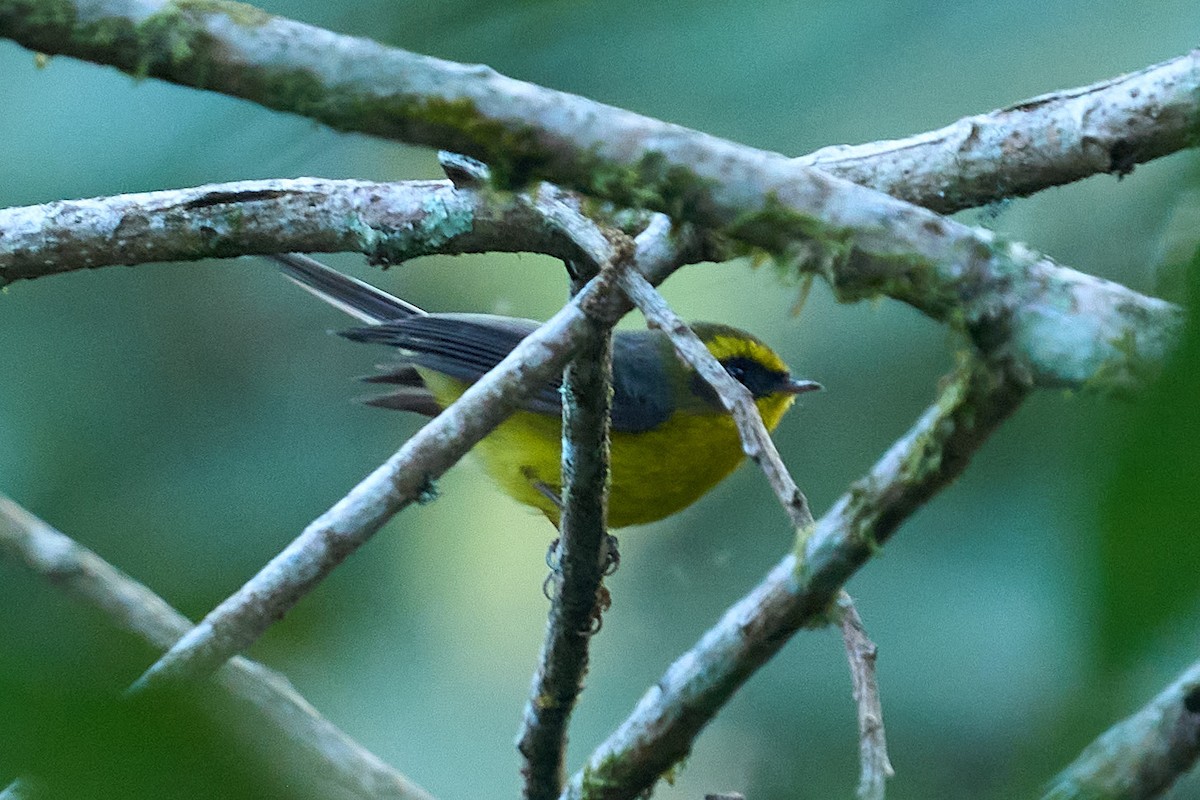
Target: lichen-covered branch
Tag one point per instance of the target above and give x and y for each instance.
(1062, 327)
(254, 691)
(949, 271)
(1140, 757)
(387, 222)
(799, 590)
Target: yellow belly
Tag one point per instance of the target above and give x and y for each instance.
(653, 473)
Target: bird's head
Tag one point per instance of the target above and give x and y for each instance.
(754, 365)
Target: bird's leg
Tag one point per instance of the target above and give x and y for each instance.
(554, 551)
(545, 490)
(553, 557)
(610, 555)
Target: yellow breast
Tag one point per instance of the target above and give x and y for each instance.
(654, 473)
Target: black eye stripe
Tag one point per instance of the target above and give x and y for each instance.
(759, 379)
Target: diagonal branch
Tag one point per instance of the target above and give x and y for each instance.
(404, 478)
(255, 691)
(947, 270)
(798, 591)
(1140, 757)
(356, 84)
(756, 441)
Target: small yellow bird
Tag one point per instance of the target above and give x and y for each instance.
(671, 439)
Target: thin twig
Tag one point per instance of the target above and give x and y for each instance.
(1140, 757)
(580, 596)
(861, 652)
(256, 692)
(756, 441)
(577, 600)
(799, 590)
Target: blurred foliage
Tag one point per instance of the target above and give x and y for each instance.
(186, 421)
(1149, 547)
(67, 724)
(91, 743)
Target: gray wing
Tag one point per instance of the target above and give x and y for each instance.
(642, 391)
(463, 346)
(466, 346)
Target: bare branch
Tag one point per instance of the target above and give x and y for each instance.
(756, 441)
(406, 476)
(1057, 138)
(578, 598)
(799, 590)
(868, 242)
(1140, 757)
(872, 743)
(256, 691)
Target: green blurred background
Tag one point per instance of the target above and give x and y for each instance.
(186, 421)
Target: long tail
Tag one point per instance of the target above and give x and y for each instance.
(360, 300)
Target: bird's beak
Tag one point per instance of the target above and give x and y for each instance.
(794, 386)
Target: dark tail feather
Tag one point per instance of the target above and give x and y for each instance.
(417, 401)
(358, 299)
(383, 333)
(409, 394)
(398, 374)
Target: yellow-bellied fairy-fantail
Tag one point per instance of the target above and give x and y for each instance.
(671, 439)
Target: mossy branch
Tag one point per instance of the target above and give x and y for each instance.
(577, 594)
(1059, 327)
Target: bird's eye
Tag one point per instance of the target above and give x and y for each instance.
(736, 371)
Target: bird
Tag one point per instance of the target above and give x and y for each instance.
(671, 439)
